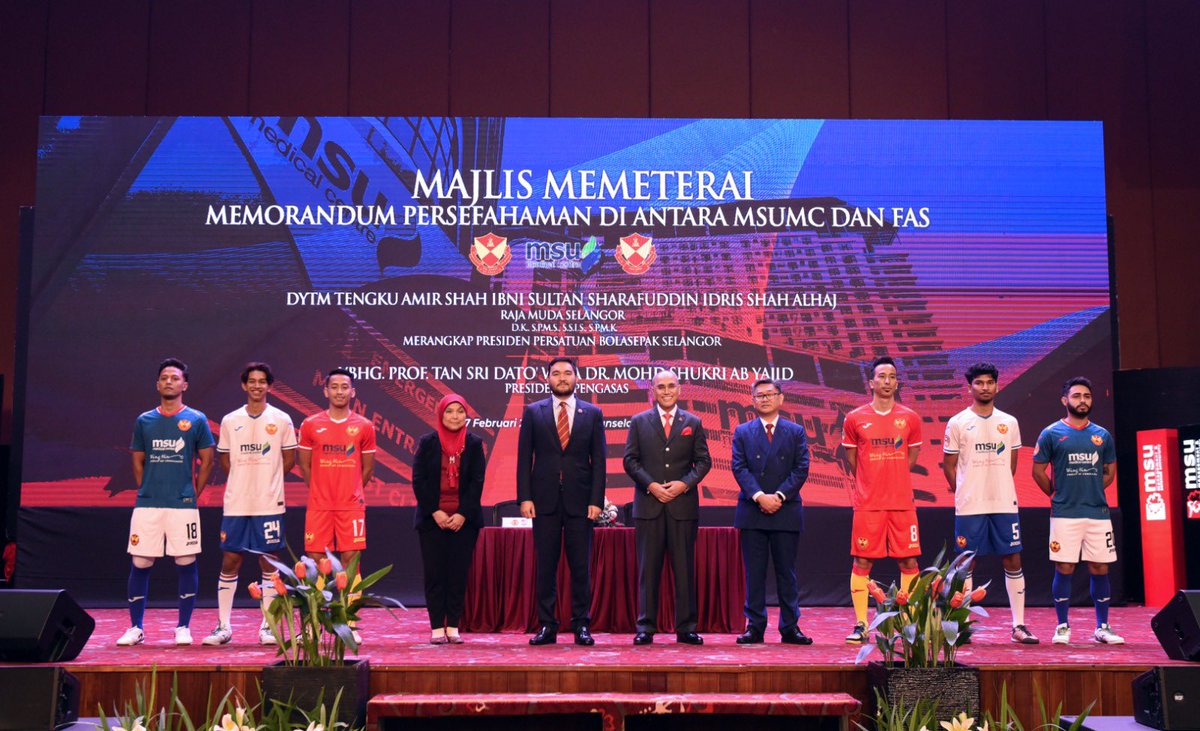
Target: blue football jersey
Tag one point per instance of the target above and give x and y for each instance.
(1077, 458)
(171, 444)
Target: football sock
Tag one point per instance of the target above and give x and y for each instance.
(226, 590)
(189, 584)
(1061, 590)
(1014, 584)
(139, 586)
(858, 594)
(268, 589)
(1101, 593)
(907, 579)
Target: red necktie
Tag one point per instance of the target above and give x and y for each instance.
(667, 424)
(564, 425)
(770, 431)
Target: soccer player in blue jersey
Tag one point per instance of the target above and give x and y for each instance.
(1083, 461)
(167, 443)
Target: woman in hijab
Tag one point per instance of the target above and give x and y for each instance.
(448, 483)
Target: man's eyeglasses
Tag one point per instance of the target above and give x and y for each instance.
(766, 396)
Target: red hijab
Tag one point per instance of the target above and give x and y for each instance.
(452, 441)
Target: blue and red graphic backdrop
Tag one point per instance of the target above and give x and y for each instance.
(439, 254)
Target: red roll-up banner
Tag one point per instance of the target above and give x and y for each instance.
(1160, 494)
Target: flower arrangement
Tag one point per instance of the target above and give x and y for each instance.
(925, 626)
(923, 714)
(316, 605)
(231, 713)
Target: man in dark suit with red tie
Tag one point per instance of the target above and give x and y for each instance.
(770, 464)
(560, 484)
(666, 454)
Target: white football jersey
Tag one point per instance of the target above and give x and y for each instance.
(984, 446)
(255, 446)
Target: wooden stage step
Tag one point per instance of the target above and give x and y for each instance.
(610, 711)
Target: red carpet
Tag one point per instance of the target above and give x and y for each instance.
(405, 642)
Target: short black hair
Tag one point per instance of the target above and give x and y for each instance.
(763, 382)
(173, 363)
(562, 359)
(339, 372)
(976, 370)
(1077, 381)
(258, 366)
(881, 360)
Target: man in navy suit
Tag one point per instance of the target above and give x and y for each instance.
(770, 464)
(667, 456)
(560, 484)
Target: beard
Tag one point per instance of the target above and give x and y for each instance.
(1080, 412)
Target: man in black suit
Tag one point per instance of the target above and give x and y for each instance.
(770, 464)
(560, 484)
(666, 454)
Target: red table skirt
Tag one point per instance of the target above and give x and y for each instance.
(500, 584)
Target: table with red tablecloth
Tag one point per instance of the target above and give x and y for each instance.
(500, 584)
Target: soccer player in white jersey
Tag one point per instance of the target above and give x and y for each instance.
(257, 448)
(980, 449)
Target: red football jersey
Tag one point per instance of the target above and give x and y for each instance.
(337, 448)
(882, 480)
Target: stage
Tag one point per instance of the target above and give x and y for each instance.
(402, 661)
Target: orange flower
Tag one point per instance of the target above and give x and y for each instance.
(301, 570)
(902, 598)
(342, 580)
(956, 600)
(936, 586)
(978, 595)
(325, 566)
(874, 590)
(280, 587)
(255, 590)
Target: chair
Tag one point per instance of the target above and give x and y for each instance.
(505, 509)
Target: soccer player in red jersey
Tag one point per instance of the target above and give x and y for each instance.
(882, 440)
(337, 457)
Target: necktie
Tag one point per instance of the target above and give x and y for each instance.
(770, 432)
(564, 425)
(667, 424)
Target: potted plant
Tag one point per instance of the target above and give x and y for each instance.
(919, 632)
(312, 619)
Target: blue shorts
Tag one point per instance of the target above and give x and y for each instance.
(255, 533)
(989, 534)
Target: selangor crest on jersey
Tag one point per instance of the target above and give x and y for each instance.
(635, 253)
(352, 431)
(184, 425)
(1098, 440)
(271, 429)
(1002, 428)
(490, 254)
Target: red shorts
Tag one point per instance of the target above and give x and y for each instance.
(879, 533)
(335, 530)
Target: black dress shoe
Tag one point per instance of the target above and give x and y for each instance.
(643, 638)
(750, 637)
(544, 636)
(689, 638)
(795, 637)
(584, 637)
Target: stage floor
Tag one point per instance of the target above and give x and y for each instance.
(405, 642)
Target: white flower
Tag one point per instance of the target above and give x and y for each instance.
(962, 723)
(230, 723)
(314, 726)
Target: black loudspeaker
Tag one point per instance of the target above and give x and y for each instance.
(37, 698)
(1177, 626)
(42, 626)
(1168, 698)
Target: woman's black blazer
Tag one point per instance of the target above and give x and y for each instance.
(427, 477)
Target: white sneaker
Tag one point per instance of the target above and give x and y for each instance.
(1062, 635)
(1105, 636)
(183, 636)
(219, 636)
(265, 635)
(132, 636)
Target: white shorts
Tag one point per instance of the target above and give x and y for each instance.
(155, 532)
(1091, 537)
